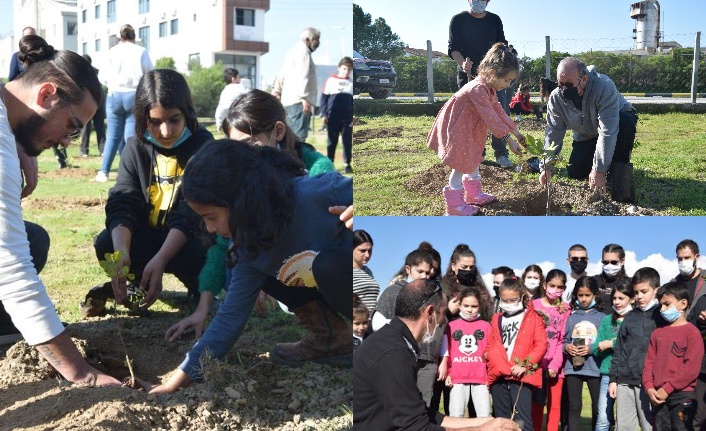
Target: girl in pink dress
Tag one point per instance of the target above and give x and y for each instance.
(460, 129)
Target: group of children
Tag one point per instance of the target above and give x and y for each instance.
(638, 354)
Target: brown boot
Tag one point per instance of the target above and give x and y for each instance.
(328, 339)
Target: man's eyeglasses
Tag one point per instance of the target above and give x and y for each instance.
(566, 85)
(576, 258)
(612, 262)
(437, 290)
(76, 124)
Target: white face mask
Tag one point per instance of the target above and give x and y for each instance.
(686, 267)
(428, 336)
(468, 317)
(478, 6)
(532, 284)
(624, 311)
(611, 270)
(511, 309)
(650, 305)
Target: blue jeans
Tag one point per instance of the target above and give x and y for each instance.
(298, 121)
(499, 146)
(605, 406)
(121, 125)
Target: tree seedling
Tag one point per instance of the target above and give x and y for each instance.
(548, 156)
(112, 265)
(530, 368)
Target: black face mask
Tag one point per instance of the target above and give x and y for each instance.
(570, 93)
(467, 277)
(578, 266)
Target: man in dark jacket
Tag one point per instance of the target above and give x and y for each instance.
(385, 394)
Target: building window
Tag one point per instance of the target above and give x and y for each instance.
(175, 26)
(245, 64)
(145, 37)
(194, 17)
(84, 15)
(71, 28)
(98, 45)
(163, 29)
(111, 10)
(194, 61)
(144, 6)
(98, 11)
(84, 47)
(245, 17)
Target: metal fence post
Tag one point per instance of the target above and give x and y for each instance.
(695, 73)
(430, 75)
(548, 58)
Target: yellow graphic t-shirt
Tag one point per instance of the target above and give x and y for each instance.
(162, 191)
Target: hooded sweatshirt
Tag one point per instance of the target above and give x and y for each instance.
(598, 118)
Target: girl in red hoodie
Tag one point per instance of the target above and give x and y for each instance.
(517, 343)
(520, 103)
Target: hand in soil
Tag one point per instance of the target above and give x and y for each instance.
(596, 181)
(196, 320)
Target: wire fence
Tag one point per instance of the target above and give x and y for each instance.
(665, 70)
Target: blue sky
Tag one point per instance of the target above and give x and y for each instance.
(519, 241)
(417, 21)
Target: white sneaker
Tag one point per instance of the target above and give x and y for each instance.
(518, 118)
(504, 162)
(101, 177)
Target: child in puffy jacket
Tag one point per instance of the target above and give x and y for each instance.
(517, 343)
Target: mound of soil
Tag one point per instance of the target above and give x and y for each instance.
(520, 196)
(358, 122)
(71, 172)
(246, 391)
(360, 136)
(83, 204)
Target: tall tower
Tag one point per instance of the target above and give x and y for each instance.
(646, 32)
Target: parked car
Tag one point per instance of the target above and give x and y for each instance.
(375, 77)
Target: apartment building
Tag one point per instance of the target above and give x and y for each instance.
(203, 31)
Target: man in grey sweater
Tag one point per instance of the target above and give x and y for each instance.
(602, 120)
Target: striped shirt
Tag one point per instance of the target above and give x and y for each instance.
(365, 286)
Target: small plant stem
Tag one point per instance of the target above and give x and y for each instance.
(127, 358)
(517, 399)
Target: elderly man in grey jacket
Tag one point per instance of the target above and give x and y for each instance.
(602, 121)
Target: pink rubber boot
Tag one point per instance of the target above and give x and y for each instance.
(455, 205)
(474, 194)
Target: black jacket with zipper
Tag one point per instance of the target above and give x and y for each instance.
(129, 202)
(631, 345)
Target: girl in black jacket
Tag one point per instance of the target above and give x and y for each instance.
(146, 216)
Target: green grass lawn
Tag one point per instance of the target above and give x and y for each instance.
(669, 163)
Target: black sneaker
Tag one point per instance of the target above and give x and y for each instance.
(9, 335)
(349, 170)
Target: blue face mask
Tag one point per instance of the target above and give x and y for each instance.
(671, 314)
(185, 134)
(591, 305)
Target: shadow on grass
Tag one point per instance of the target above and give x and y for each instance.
(661, 194)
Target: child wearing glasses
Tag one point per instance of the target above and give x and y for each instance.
(613, 260)
(459, 132)
(462, 366)
(555, 313)
(581, 365)
(517, 343)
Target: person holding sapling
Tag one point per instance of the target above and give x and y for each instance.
(460, 129)
(673, 362)
(602, 121)
(517, 343)
(284, 241)
(147, 219)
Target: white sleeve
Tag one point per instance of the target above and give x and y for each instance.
(22, 293)
(444, 350)
(379, 321)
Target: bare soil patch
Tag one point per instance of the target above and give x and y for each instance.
(360, 136)
(517, 196)
(247, 391)
(67, 204)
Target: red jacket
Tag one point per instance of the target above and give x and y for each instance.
(524, 102)
(531, 343)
